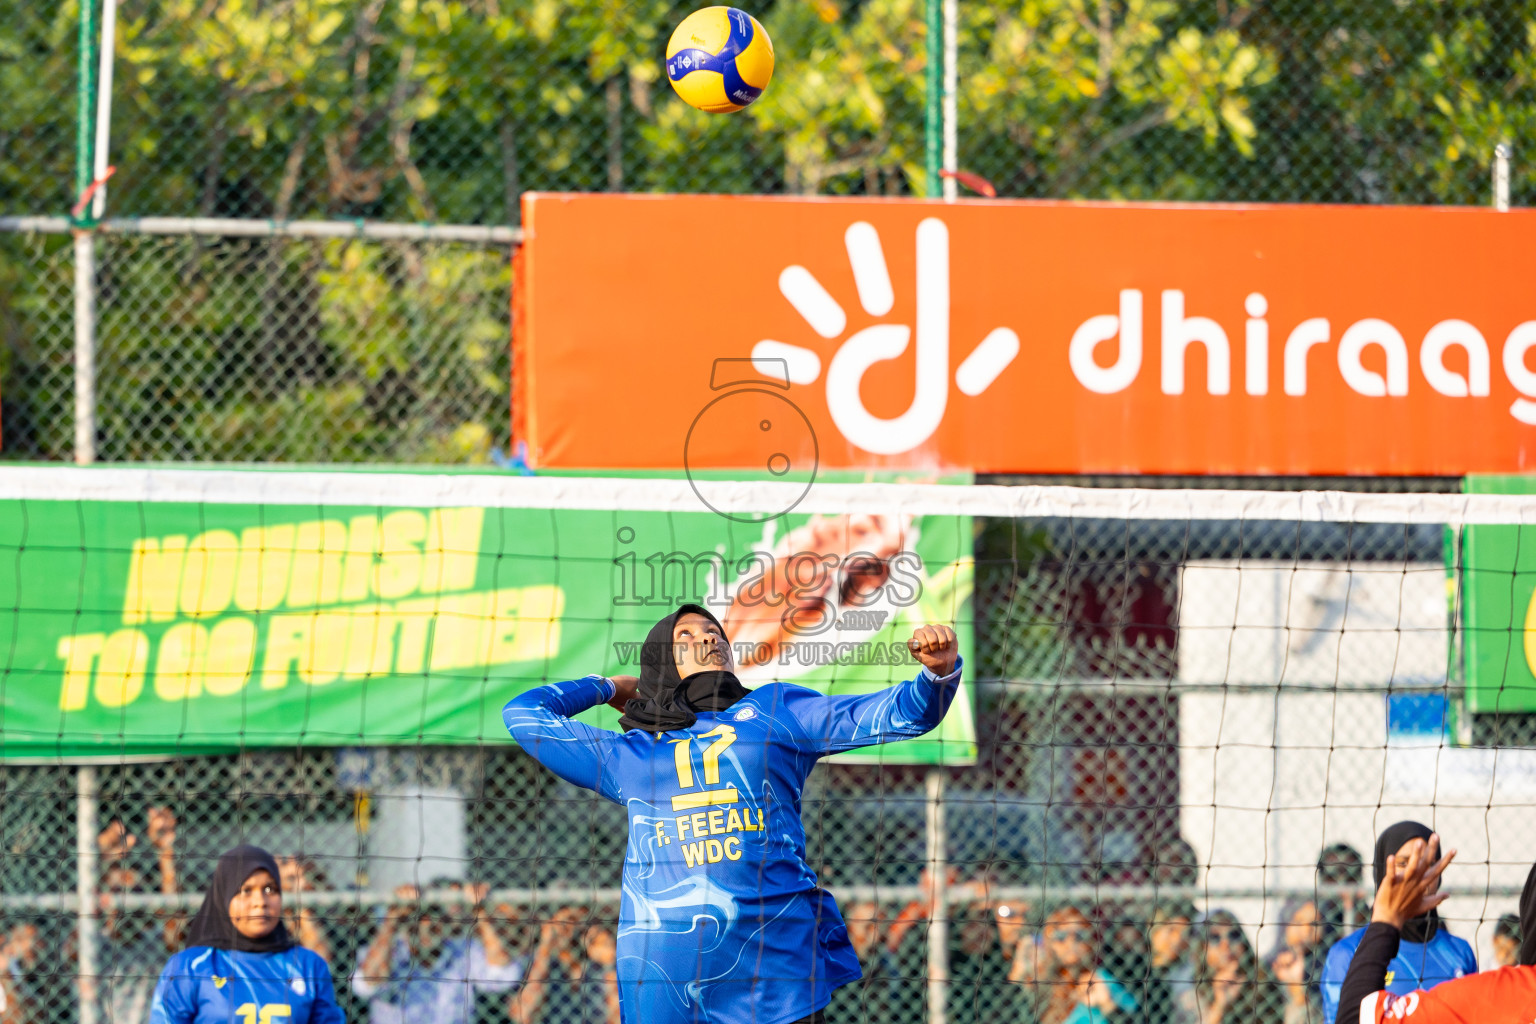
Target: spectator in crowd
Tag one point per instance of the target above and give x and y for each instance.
(1120, 857)
(132, 947)
(1175, 863)
(572, 976)
(1061, 976)
(1428, 955)
(1297, 961)
(425, 964)
(18, 955)
(301, 874)
(869, 998)
(600, 980)
(981, 943)
(1128, 959)
(239, 955)
(19, 970)
(1506, 940)
(1170, 942)
(1340, 864)
(906, 944)
(1231, 986)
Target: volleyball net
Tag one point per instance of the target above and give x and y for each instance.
(1178, 703)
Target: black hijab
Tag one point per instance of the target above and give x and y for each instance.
(1528, 921)
(212, 925)
(664, 700)
(1418, 929)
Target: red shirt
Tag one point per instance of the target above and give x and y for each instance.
(1504, 996)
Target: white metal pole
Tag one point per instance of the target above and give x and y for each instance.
(1501, 155)
(87, 868)
(104, 105)
(85, 347)
(951, 103)
(938, 917)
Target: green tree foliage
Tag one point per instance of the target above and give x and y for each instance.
(447, 110)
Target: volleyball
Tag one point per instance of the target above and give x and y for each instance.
(719, 59)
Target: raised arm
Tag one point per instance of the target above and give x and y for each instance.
(902, 712)
(541, 722)
(1405, 893)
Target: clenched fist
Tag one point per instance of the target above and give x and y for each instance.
(936, 647)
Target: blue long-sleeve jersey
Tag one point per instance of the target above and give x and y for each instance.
(1418, 965)
(721, 919)
(219, 986)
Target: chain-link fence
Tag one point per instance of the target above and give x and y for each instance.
(1072, 840)
(446, 110)
(225, 349)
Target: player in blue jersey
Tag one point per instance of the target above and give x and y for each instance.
(722, 920)
(241, 966)
(1428, 954)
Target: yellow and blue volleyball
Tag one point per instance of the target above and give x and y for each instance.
(719, 59)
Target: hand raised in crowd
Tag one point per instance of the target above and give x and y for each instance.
(161, 830)
(1096, 994)
(496, 952)
(1290, 969)
(115, 841)
(1408, 892)
(406, 899)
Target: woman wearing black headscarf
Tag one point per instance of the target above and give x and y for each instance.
(1504, 996)
(722, 918)
(241, 966)
(1429, 953)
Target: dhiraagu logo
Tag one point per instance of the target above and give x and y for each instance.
(884, 341)
(206, 615)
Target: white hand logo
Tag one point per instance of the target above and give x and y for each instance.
(887, 341)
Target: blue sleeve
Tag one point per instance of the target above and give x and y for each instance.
(324, 1009)
(1334, 969)
(902, 712)
(540, 721)
(1469, 956)
(175, 1000)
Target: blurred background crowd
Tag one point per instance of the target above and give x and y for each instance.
(450, 952)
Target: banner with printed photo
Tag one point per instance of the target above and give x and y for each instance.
(166, 627)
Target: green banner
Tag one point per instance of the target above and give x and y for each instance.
(169, 627)
(1498, 611)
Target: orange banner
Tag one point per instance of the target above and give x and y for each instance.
(1031, 337)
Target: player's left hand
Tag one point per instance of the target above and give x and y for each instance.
(936, 647)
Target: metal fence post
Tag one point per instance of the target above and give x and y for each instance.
(85, 250)
(938, 916)
(87, 869)
(1501, 154)
(951, 99)
(933, 118)
(85, 346)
